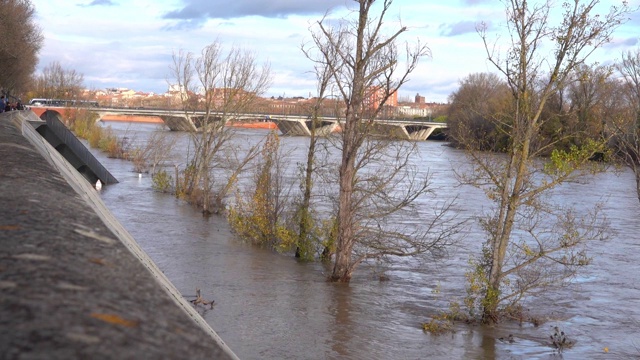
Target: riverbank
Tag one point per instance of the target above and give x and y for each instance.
(133, 118)
(73, 282)
(267, 125)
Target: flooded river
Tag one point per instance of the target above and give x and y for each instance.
(268, 306)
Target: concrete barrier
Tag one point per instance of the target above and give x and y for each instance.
(73, 281)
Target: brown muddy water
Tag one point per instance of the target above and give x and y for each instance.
(268, 306)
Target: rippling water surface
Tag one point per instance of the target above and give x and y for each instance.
(268, 306)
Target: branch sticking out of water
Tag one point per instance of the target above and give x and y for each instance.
(200, 300)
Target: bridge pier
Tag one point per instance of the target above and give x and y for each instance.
(178, 123)
(302, 127)
(419, 132)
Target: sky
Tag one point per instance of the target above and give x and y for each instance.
(130, 43)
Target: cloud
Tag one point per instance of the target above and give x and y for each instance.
(622, 43)
(476, 2)
(186, 24)
(197, 11)
(112, 64)
(99, 3)
(459, 28)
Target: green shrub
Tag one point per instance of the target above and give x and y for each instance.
(162, 181)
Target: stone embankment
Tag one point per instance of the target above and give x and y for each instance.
(73, 283)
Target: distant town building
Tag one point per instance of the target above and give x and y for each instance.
(375, 95)
(408, 111)
(175, 89)
(280, 105)
(420, 109)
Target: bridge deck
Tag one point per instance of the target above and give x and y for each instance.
(295, 125)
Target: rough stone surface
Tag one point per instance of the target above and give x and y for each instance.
(69, 289)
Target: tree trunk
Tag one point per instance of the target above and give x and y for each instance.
(344, 245)
(510, 203)
(637, 173)
(303, 248)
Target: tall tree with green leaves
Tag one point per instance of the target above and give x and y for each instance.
(532, 242)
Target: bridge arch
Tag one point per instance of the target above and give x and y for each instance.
(39, 111)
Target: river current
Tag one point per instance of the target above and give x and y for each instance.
(269, 306)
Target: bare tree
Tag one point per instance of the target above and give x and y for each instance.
(305, 247)
(56, 82)
(627, 128)
(260, 212)
(472, 110)
(155, 150)
(531, 242)
(221, 86)
(588, 93)
(20, 43)
(376, 179)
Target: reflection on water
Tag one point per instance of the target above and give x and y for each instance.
(269, 306)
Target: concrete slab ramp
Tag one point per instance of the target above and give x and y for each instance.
(66, 143)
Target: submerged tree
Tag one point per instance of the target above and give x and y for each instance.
(307, 219)
(155, 151)
(259, 211)
(214, 89)
(376, 179)
(533, 243)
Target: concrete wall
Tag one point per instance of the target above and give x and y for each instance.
(55, 229)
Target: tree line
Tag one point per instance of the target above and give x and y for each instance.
(596, 103)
